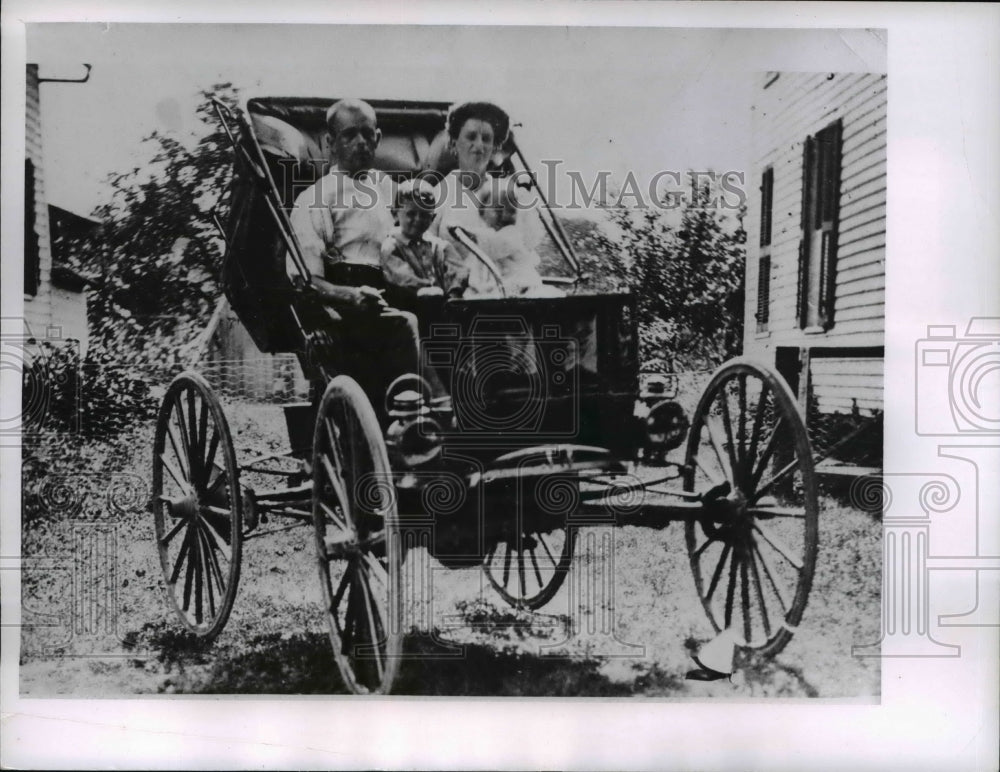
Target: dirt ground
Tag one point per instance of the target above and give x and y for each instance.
(111, 633)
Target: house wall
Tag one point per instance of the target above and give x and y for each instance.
(38, 307)
(51, 306)
(787, 110)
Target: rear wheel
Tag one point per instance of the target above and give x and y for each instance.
(359, 552)
(530, 559)
(753, 552)
(197, 506)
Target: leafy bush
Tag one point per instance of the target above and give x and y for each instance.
(96, 396)
(685, 269)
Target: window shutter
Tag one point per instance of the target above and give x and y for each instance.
(766, 206)
(32, 263)
(829, 146)
(763, 292)
(802, 288)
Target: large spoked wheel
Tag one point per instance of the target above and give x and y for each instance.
(197, 506)
(753, 552)
(531, 556)
(357, 539)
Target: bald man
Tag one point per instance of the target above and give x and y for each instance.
(340, 223)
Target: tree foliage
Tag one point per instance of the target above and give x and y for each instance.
(686, 270)
(152, 267)
(154, 262)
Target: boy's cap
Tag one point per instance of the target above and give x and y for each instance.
(417, 191)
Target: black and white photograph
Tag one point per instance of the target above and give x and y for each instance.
(383, 362)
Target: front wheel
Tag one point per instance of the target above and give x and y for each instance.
(753, 552)
(359, 553)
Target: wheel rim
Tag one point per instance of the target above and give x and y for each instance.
(357, 539)
(753, 553)
(196, 505)
(529, 568)
(530, 556)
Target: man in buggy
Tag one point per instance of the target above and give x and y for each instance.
(340, 223)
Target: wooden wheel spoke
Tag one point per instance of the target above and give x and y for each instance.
(337, 483)
(548, 552)
(720, 453)
(213, 484)
(211, 552)
(193, 430)
(760, 591)
(175, 474)
(779, 546)
(189, 574)
(758, 424)
(506, 564)
(350, 617)
(520, 570)
(341, 587)
(176, 445)
(199, 575)
(705, 545)
(375, 638)
(182, 553)
(770, 513)
(741, 428)
(337, 519)
(731, 590)
(534, 563)
(769, 572)
(727, 425)
(182, 427)
(765, 456)
(709, 473)
(210, 457)
(785, 471)
(173, 532)
(745, 597)
(217, 538)
(202, 432)
(717, 574)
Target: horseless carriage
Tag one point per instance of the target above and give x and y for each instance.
(550, 418)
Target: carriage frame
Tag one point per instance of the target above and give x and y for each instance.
(366, 470)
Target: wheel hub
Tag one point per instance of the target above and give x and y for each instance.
(726, 514)
(183, 507)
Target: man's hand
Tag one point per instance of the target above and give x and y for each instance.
(430, 292)
(368, 299)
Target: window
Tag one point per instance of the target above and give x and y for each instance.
(32, 267)
(818, 245)
(764, 260)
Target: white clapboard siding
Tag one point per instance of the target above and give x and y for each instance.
(38, 308)
(52, 313)
(789, 109)
(839, 384)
